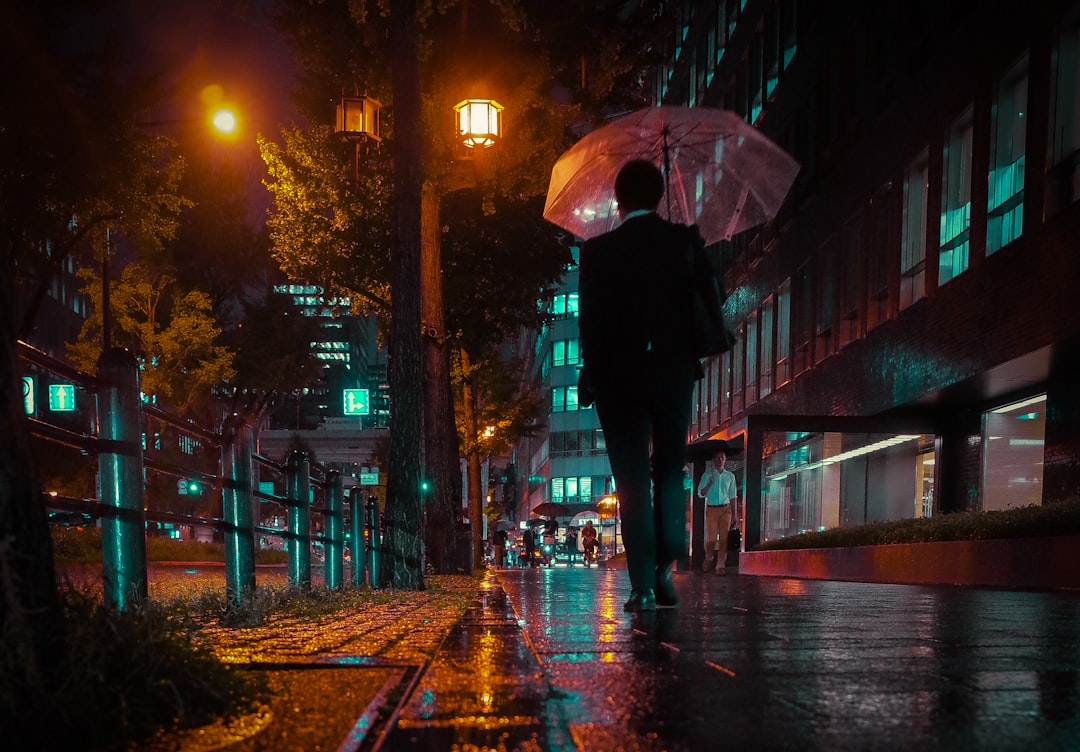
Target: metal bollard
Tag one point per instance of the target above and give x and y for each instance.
(374, 548)
(298, 481)
(238, 517)
(335, 530)
(120, 479)
(359, 554)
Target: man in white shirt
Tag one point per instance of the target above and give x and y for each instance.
(717, 487)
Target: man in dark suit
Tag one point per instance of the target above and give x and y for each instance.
(640, 368)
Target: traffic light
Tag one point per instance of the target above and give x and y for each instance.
(189, 487)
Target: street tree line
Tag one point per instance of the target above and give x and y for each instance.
(81, 179)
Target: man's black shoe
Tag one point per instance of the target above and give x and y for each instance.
(640, 600)
(666, 597)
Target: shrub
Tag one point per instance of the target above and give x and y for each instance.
(127, 676)
(1061, 518)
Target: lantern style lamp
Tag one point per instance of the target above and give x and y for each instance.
(358, 118)
(479, 122)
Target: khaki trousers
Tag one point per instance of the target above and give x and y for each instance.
(717, 522)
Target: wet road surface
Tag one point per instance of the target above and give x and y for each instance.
(547, 660)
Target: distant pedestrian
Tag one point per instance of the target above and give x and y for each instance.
(639, 368)
(570, 541)
(717, 486)
(500, 548)
(529, 540)
(588, 543)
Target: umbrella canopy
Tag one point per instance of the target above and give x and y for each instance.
(555, 509)
(506, 525)
(722, 174)
(706, 449)
(579, 519)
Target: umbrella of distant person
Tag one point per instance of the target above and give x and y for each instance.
(722, 174)
(557, 509)
(579, 519)
(506, 525)
(707, 448)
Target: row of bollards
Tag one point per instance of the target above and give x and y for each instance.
(123, 525)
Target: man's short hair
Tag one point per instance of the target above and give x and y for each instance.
(639, 185)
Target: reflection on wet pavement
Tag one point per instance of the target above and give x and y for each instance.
(547, 659)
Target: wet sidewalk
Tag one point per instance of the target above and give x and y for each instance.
(547, 660)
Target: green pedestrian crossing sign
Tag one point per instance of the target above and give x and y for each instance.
(356, 402)
(62, 398)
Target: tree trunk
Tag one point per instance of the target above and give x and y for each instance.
(32, 626)
(473, 473)
(402, 562)
(441, 468)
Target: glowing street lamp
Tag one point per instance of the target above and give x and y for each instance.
(224, 121)
(357, 118)
(479, 122)
(357, 121)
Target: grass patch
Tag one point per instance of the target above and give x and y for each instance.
(1061, 518)
(139, 675)
(82, 545)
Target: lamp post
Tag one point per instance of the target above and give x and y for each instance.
(357, 122)
(478, 123)
(224, 122)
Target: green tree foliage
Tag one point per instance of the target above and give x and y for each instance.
(173, 334)
(555, 69)
(323, 229)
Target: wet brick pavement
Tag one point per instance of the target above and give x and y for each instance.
(547, 660)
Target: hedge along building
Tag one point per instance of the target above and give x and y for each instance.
(908, 328)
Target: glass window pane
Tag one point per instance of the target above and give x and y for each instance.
(955, 221)
(1008, 132)
(913, 234)
(1013, 440)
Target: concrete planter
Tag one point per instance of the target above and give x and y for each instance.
(1021, 563)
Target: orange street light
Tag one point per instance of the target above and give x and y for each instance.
(224, 121)
(479, 122)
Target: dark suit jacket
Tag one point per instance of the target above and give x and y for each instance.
(634, 300)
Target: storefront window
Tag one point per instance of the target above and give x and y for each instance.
(1013, 438)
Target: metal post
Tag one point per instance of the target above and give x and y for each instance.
(298, 470)
(374, 548)
(120, 477)
(238, 517)
(753, 477)
(359, 554)
(335, 530)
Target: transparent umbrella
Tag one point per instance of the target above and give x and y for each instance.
(722, 174)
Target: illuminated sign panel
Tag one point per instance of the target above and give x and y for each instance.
(356, 402)
(28, 395)
(62, 398)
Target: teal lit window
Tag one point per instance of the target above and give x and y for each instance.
(565, 305)
(955, 225)
(1008, 131)
(566, 352)
(564, 399)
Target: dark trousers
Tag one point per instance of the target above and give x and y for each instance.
(652, 409)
